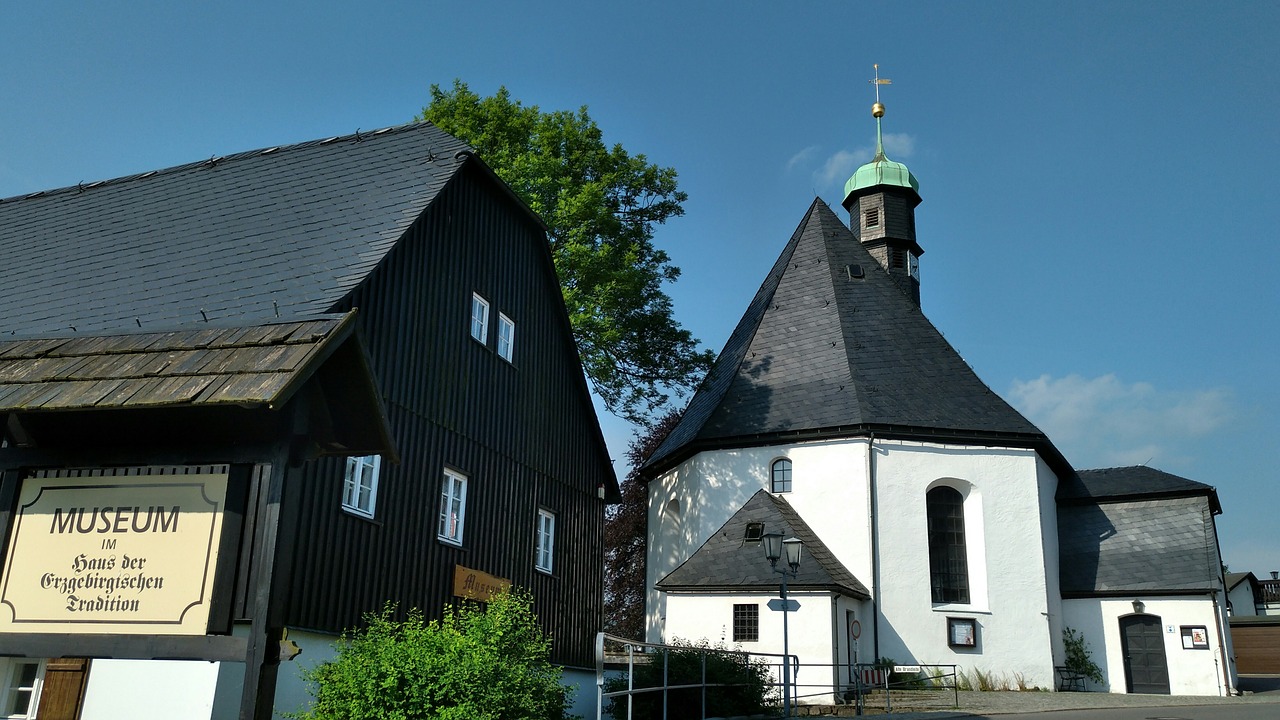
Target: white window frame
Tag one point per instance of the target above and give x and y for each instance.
(479, 319)
(9, 669)
(453, 508)
(545, 541)
(506, 336)
(359, 470)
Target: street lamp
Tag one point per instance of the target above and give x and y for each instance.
(774, 548)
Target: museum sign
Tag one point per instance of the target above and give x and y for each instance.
(132, 554)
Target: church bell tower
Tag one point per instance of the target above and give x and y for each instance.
(881, 198)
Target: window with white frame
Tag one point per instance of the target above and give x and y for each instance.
(506, 336)
(360, 486)
(546, 540)
(20, 684)
(479, 318)
(453, 507)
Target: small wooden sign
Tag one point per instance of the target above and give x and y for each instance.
(477, 585)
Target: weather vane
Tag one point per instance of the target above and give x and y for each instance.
(877, 110)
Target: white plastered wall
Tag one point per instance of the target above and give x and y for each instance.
(816, 633)
(1241, 597)
(1011, 533)
(1008, 543)
(1191, 671)
(149, 690)
(689, 503)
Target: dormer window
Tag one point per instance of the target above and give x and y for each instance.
(871, 218)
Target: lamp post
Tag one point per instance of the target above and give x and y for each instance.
(774, 548)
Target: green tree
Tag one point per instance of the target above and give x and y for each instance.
(478, 663)
(601, 205)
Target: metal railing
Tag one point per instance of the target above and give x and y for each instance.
(619, 654)
(920, 686)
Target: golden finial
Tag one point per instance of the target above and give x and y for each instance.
(877, 110)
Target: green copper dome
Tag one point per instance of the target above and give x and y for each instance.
(881, 171)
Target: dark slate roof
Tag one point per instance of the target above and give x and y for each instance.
(818, 351)
(726, 562)
(241, 366)
(1234, 579)
(1156, 545)
(1138, 481)
(278, 232)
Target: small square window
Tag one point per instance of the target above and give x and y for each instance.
(746, 623)
(453, 507)
(754, 532)
(479, 318)
(360, 486)
(544, 551)
(506, 336)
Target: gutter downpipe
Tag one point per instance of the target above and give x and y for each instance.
(1224, 625)
(875, 545)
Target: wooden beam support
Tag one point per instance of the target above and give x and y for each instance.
(132, 647)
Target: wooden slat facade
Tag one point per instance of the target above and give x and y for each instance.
(524, 433)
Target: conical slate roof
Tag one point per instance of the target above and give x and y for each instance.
(727, 562)
(830, 346)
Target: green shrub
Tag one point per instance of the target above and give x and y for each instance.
(478, 663)
(745, 684)
(1078, 656)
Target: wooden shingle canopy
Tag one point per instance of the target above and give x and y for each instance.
(244, 369)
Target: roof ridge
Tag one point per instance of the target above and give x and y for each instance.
(215, 160)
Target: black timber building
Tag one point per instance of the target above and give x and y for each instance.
(441, 285)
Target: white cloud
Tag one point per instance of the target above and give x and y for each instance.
(898, 145)
(840, 166)
(1102, 421)
(801, 157)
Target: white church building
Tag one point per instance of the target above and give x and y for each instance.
(939, 525)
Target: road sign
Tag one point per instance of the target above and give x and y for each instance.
(776, 605)
(855, 629)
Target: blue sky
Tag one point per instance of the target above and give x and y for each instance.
(1098, 216)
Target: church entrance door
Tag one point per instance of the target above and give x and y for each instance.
(1145, 668)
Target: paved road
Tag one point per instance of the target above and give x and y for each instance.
(1261, 702)
(1202, 712)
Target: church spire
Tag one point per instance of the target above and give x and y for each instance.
(877, 112)
(881, 198)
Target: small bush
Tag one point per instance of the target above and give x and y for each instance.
(745, 684)
(1079, 659)
(477, 663)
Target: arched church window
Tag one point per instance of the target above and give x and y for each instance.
(948, 564)
(781, 476)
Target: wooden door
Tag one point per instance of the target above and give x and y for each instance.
(1145, 667)
(64, 682)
